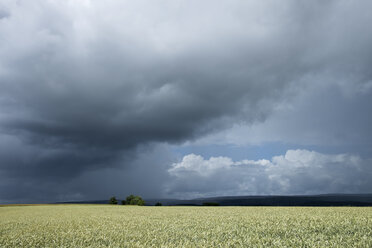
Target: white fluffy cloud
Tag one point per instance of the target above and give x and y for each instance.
(296, 172)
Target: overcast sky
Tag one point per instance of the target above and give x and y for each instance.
(184, 99)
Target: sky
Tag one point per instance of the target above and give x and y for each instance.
(184, 99)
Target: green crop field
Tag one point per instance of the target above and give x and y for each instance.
(131, 226)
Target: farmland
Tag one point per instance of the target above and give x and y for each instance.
(133, 226)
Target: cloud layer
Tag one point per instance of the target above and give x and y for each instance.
(83, 84)
(296, 172)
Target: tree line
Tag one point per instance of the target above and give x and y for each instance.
(131, 200)
(137, 200)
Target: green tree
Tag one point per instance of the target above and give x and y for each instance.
(129, 199)
(113, 200)
(134, 200)
(158, 204)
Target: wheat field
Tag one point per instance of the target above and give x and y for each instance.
(133, 226)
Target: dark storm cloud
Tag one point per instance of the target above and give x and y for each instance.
(84, 84)
(81, 180)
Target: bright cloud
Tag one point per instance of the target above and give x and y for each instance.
(295, 172)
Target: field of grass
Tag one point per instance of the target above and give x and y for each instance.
(130, 226)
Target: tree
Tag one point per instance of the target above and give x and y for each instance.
(134, 200)
(129, 199)
(113, 200)
(123, 202)
(158, 204)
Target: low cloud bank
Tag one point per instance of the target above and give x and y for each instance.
(295, 172)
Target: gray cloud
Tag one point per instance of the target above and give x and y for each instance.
(83, 85)
(322, 115)
(69, 179)
(296, 172)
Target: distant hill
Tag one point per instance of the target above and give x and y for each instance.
(278, 200)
